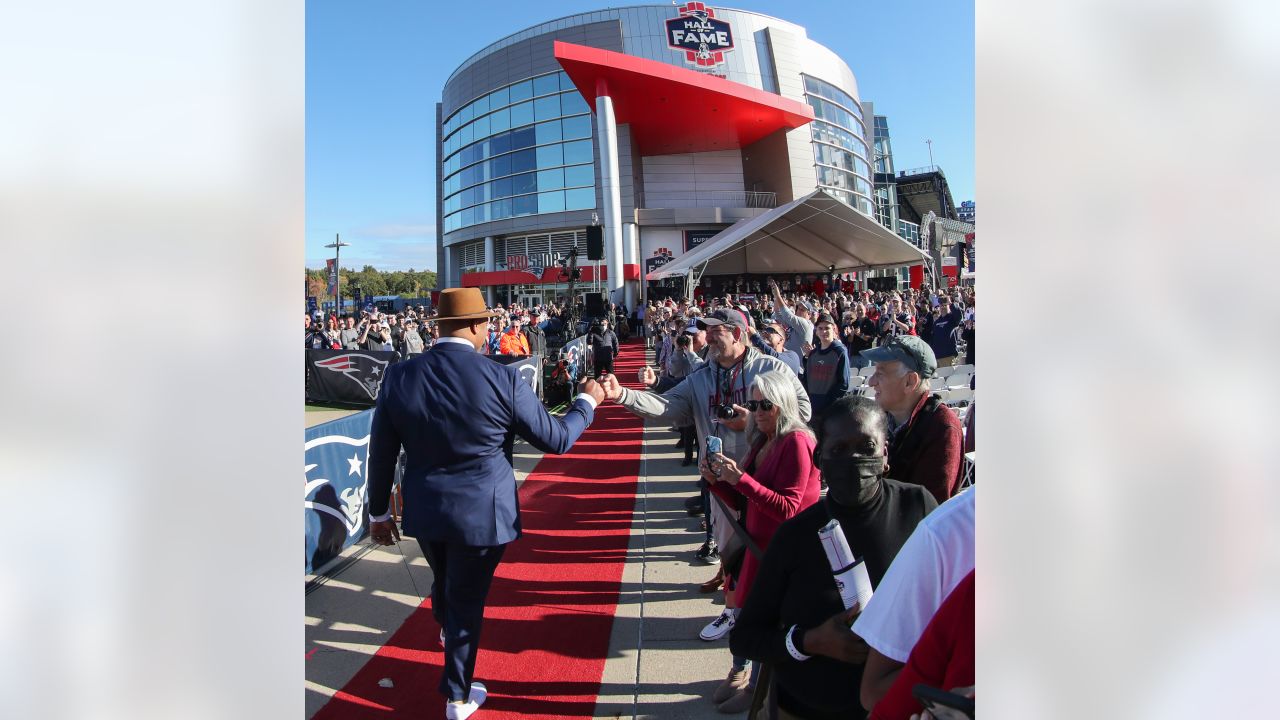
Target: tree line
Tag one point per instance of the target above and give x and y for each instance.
(371, 281)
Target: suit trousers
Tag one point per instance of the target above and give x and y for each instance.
(462, 575)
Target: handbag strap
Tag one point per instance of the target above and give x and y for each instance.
(738, 529)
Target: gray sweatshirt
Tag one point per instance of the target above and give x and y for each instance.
(693, 400)
(799, 330)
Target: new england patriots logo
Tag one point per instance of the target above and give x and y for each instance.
(364, 370)
(342, 497)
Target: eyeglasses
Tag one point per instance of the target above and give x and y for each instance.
(764, 405)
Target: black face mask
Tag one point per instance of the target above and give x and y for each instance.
(852, 481)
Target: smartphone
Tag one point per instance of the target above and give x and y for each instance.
(943, 704)
(714, 446)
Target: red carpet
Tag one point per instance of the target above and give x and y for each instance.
(551, 607)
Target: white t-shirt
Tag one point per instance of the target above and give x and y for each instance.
(933, 561)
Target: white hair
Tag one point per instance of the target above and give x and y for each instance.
(777, 389)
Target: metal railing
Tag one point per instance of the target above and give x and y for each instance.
(919, 170)
(717, 198)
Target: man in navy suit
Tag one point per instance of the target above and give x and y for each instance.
(457, 413)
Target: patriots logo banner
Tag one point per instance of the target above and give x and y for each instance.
(335, 497)
(351, 377)
(530, 368)
(575, 352)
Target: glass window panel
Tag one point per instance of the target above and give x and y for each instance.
(521, 91)
(499, 166)
(521, 114)
(500, 143)
(522, 161)
(550, 155)
(525, 183)
(523, 137)
(480, 106)
(502, 188)
(546, 108)
(481, 127)
(546, 84)
(579, 175)
(499, 98)
(565, 82)
(464, 135)
(501, 209)
(551, 202)
(580, 199)
(547, 132)
(576, 127)
(465, 115)
(524, 205)
(500, 121)
(571, 103)
(550, 179)
(578, 151)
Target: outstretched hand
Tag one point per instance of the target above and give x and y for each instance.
(647, 376)
(611, 387)
(594, 389)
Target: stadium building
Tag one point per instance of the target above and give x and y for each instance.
(665, 125)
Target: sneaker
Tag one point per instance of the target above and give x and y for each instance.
(719, 627)
(738, 703)
(708, 554)
(461, 711)
(735, 682)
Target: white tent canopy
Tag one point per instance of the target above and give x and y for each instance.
(808, 235)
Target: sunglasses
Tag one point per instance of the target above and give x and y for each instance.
(764, 405)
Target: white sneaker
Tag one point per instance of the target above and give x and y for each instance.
(719, 627)
(460, 711)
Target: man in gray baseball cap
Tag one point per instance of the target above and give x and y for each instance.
(925, 448)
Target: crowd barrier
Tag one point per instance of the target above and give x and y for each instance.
(335, 500)
(353, 377)
(347, 377)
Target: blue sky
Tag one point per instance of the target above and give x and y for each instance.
(375, 70)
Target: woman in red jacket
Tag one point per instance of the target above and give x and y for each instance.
(777, 479)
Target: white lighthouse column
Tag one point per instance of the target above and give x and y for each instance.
(607, 130)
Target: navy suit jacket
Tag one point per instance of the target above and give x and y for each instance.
(457, 412)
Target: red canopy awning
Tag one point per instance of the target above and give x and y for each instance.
(674, 110)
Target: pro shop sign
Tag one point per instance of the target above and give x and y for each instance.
(702, 37)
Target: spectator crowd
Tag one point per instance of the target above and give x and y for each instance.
(770, 377)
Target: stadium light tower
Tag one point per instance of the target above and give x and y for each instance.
(337, 246)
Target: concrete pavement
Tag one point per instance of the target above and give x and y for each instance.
(656, 667)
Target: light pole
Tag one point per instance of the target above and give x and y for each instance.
(337, 246)
(930, 144)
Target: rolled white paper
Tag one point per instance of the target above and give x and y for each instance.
(850, 574)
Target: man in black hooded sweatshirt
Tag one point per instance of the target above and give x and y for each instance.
(794, 600)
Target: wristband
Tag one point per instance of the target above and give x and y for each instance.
(791, 647)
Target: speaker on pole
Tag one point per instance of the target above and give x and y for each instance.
(595, 305)
(595, 242)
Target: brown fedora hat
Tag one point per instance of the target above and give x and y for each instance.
(463, 304)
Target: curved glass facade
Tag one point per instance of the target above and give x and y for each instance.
(522, 149)
(840, 144)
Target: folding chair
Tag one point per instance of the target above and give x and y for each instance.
(937, 383)
(968, 467)
(960, 396)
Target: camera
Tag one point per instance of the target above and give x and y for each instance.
(725, 411)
